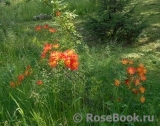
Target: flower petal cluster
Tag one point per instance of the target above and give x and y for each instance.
(136, 75)
(68, 57)
(21, 77)
(46, 26)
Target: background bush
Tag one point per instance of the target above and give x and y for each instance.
(115, 20)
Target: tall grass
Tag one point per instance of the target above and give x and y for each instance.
(82, 7)
(21, 10)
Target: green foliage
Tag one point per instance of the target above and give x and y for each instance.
(68, 37)
(116, 21)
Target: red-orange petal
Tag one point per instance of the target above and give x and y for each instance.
(117, 82)
(58, 13)
(20, 77)
(74, 65)
(142, 89)
(52, 63)
(143, 77)
(38, 28)
(12, 84)
(137, 82)
(53, 30)
(131, 70)
(127, 81)
(46, 26)
(124, 61)
(135, 91)
(142, 99)
(39, 82)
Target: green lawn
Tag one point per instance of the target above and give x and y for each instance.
(91, 88)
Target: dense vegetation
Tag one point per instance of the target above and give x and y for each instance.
(116, 21)
(53, 68)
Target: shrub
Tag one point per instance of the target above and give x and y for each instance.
(113, 21)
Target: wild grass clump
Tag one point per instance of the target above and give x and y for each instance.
(17, 10)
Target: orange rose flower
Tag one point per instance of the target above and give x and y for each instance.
(127, 82)
(135, 91)
(12, 84)
(137, 82)
(26, 73)
(141, 70)
(131, 70)
(141, 65)
(130, 62)
(39, 82)
(52, 62)
(20, 77)
(53, 30)
(74, 65)
(142, 89)
(38, 28)
(124, 61)
(56, 55)
(142, 99)
(117, 82)
(143, 77)
(69, 52)
(67, 62)
(58, 13)
(43, 55)
(47, 47)
(46, 26)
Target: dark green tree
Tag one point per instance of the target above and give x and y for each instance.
(115, 20)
